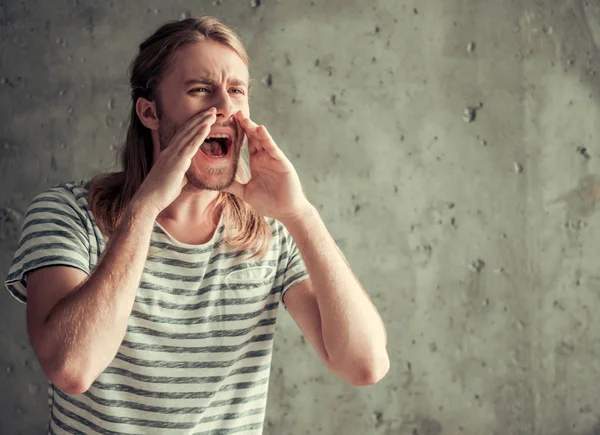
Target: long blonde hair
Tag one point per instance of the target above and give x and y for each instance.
(110, 193)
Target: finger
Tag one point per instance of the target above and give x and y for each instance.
(263, 137)
(247, 124)
(191, 130)
(249, 129)
(256, 144)
(241, 132)
(185, 155)
(198, 118)
(186, 132)
(197, 140)
(256, 131)
(187, 150)
(236, 189)
(251, 147)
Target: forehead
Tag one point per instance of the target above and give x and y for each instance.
(206, 60)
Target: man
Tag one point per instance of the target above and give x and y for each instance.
(152, 293)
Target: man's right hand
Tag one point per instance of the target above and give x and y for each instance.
(167, 177)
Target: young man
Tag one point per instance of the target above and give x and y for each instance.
(152, 293)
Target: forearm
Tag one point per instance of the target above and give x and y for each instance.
(352, 330)
(86, 328)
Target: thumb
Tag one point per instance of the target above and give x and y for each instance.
(237, 189)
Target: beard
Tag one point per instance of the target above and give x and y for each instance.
(207, 177)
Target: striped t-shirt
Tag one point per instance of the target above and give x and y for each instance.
(197, 353)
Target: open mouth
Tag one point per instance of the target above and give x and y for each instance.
(216, 145)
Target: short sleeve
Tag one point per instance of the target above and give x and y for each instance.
(295, 269)
(53, 234)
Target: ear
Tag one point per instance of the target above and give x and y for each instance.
(146, 111)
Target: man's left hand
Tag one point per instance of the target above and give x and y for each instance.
(274, 188)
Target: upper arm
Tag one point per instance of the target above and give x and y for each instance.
(301, 303)
(46, 287)
(52, 258)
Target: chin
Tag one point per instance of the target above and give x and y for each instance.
(207, 181)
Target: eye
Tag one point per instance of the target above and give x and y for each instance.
(199, 90)
(238, 91)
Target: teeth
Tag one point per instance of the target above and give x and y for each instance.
(216, 136)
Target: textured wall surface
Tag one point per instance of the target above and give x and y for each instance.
(452, 148)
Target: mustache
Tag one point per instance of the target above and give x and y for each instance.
(233, 125)
(227, 124)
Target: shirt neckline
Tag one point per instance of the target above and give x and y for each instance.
(176, 242)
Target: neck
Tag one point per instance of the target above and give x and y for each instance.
(192, 206)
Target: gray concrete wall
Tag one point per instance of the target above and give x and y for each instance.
(474, 233)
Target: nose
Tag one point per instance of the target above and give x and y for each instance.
(224, 105)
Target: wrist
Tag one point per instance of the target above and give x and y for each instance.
(141, 209)
(300, 216)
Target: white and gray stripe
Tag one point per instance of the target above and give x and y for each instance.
(197, 352)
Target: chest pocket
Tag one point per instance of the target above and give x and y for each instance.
(251, 275)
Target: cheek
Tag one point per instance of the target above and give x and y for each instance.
(185, 108)
(176, 115)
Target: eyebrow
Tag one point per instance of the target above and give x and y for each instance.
(211, 82)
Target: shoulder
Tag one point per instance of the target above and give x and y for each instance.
(73, 194)
(279, 233)
(281, 240)
(62, 201)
